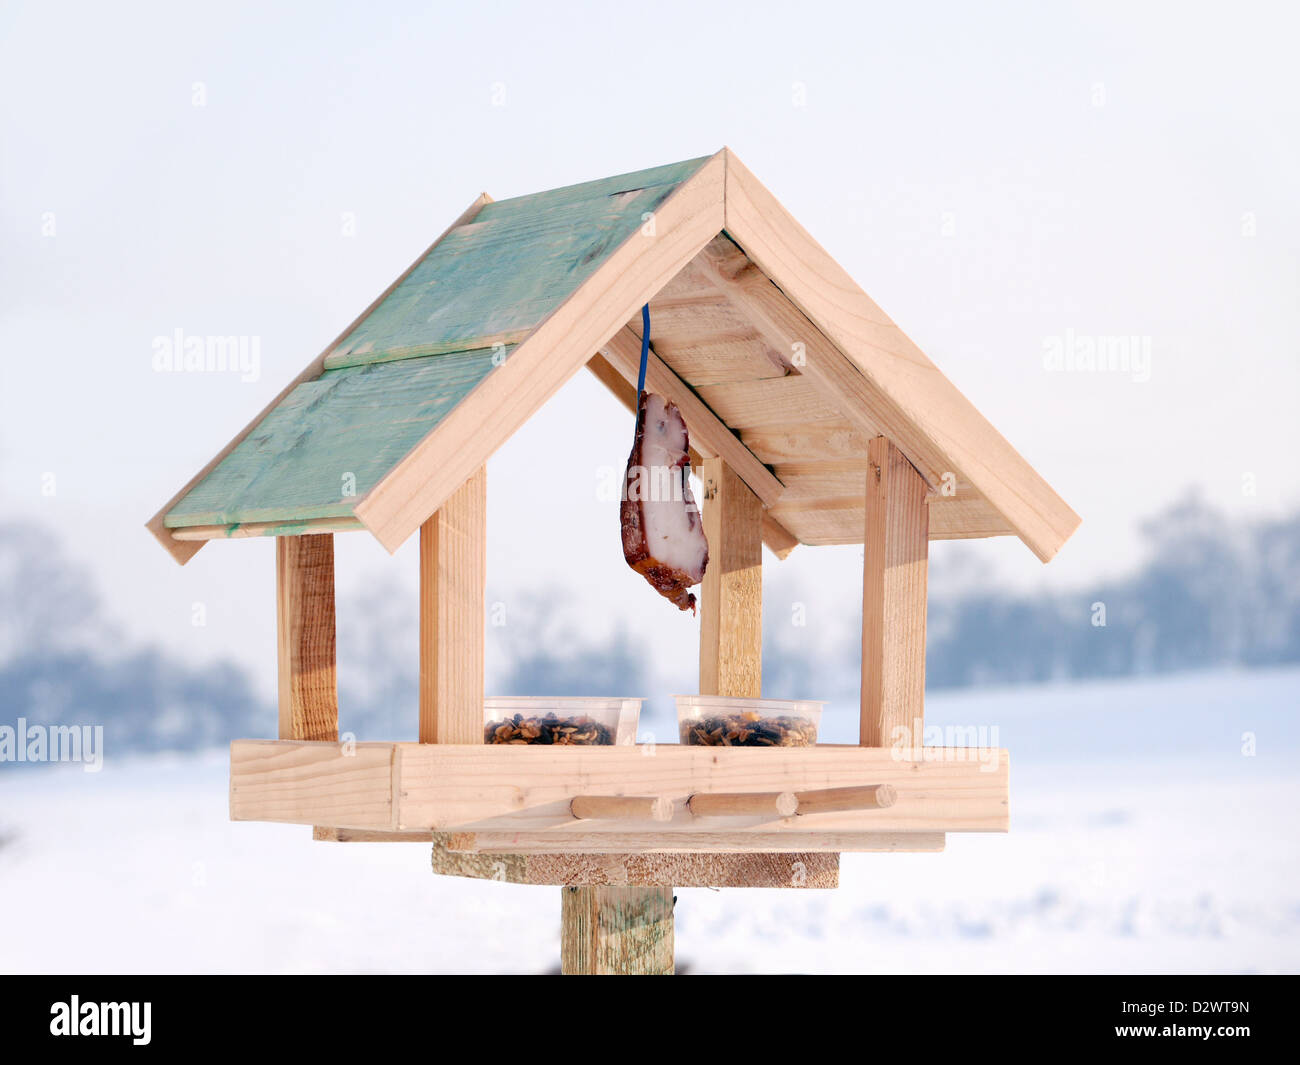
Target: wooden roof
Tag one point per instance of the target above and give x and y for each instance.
(780, 363)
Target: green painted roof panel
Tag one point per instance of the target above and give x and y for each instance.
(331, 440)
(512, 265)
(422, 350)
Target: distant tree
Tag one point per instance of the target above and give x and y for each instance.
(1208, 593)
(61, 663)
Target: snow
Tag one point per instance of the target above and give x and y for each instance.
(1120, 859)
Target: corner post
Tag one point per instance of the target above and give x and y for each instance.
(453, 586)
(894, 571)
(731, 608)
(305, 638)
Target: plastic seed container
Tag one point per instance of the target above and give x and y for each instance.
(721, 721)
(561, 721)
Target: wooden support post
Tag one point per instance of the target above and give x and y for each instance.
(304, 611)
(617, 931)
(895, 555)
(731, 610)
(453, 585)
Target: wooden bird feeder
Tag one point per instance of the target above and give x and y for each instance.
(813, 420)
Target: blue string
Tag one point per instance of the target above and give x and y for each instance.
(645, 348)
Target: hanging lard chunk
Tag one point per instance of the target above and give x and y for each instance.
(663, 534)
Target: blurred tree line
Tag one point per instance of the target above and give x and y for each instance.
(1209, 593)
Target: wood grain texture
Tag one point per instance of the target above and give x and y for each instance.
(894, 571)
(841, 521)
(312, 783)
(731, 597)
(503, 788)
(816, 481)
(616, 931)
(720, 842)
(799, 871)
(768, 401)
(837, 480)
(825, 521)
(832, 388)
(184, 551)
(919, 408)
(958, 518)
(304, 598)
(622, 389)
(818, 442)
(560, 345)
(705, 340)
(453, 590)
(779, 540)
(518, 790)
(326, 834)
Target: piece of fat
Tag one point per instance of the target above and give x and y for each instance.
(663, 533)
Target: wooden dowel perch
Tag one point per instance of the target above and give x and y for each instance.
(832, 800)
(621, 808)
(788, 803)
(744, 804)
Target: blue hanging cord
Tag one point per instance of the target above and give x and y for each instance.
(645, 349)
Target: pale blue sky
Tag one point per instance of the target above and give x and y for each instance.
(994, 175)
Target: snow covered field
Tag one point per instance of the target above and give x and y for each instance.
(1143, 839)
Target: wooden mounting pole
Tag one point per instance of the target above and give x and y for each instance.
(304, 602)
(731, 606)
(895, 559)
(629, 930)
(453, 586)
(616, 931)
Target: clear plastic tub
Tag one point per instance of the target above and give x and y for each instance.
(560, 720)
(721, 721)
